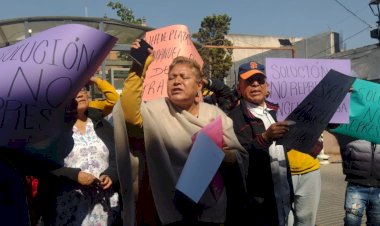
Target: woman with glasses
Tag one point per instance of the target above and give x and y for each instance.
(83, 190)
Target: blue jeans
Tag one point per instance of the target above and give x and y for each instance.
(359, 199)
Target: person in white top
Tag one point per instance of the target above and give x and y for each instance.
(268, 183)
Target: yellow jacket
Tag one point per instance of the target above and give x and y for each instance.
(301, 163)
(131, 99)
(111, 97)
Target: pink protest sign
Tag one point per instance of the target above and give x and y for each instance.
(214, 130)
(40, 74)
(291, 80)
(168, 43)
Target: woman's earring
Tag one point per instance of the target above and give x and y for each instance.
(198, 97)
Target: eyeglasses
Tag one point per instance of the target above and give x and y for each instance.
(257, 78)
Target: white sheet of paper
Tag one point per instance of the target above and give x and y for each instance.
(201, 165)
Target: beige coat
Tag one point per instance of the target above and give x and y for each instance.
(127, 167)
(167, 132)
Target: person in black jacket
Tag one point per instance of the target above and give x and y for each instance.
(361, 165)
(83, 190)
(217, 93)
(269, 187)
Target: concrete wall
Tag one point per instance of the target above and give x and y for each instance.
(365, 61)
(318, 46)
(252, 41)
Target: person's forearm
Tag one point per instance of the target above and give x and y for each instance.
(70, 173)
(108, 90)
(219, 88)
(111, 171)
(131, 98)
(110, 94)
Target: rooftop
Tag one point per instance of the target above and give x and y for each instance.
(17, 29)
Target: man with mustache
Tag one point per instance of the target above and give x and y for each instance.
(268, 195)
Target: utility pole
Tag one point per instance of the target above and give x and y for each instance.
(85, 8)
(374, 5)
(252, 47)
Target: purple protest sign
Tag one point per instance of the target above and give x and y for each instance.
(41, 73)
(291, 80)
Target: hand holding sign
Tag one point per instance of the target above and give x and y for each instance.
(140, 51)
(314, 113)
(364, 112)
(202, 165)
(40, 74)
(168, 43)
(276, 131)
(291, 80)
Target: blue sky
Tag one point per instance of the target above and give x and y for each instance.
(296, 18)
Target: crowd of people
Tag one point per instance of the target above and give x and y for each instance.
(125, 173)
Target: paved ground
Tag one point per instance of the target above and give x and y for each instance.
(331, 212)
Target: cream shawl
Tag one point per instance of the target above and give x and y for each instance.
(168, 131)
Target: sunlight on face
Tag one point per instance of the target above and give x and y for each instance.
(254, 90)
(183, 85)
(82, 100)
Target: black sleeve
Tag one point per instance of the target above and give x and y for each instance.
(104, 130)
(331, 126)
(225, 97)
(35, 164)
(219, 88)
(26, 162)
(247, 138)
(70, 173)
(111, 171)
(63, 147)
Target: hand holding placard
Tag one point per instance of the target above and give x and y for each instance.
(140, 54)
(291, 80)
(314, 113)
(364, 112)
(200, 167)
(202, 164)
(168, 43)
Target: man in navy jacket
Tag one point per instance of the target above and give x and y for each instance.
(269, 183)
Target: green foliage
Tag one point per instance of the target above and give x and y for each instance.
(125, 14)
(217, 61)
